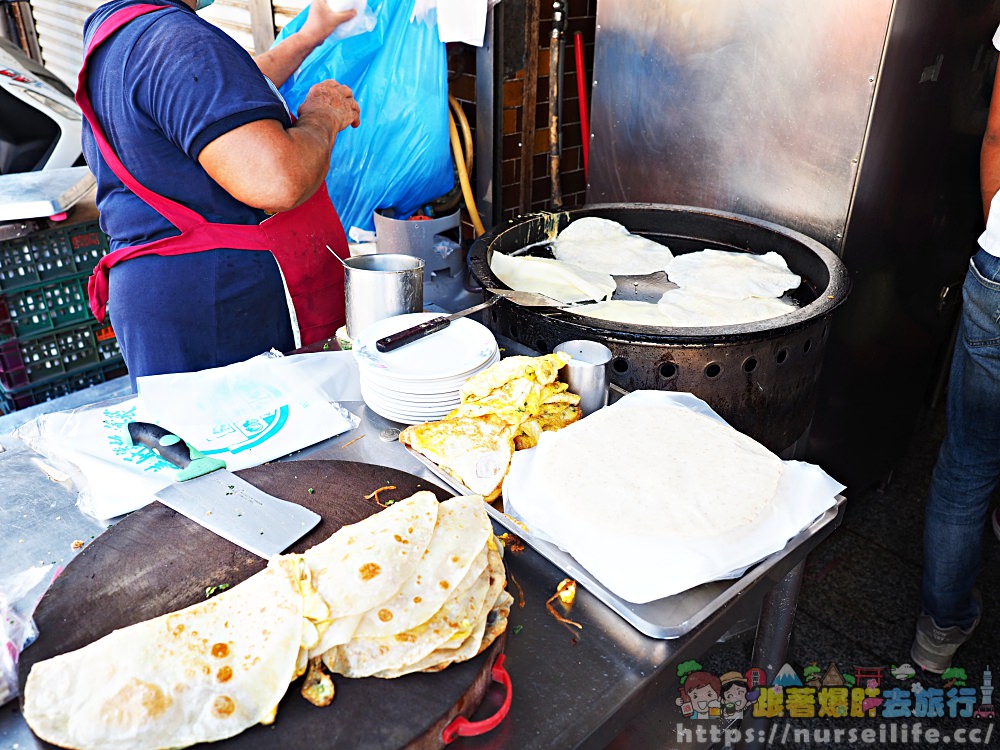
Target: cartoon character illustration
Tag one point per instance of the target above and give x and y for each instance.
(700, 695)
(903, 672)
(734, 695)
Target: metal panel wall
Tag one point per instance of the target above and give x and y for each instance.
(759, 108)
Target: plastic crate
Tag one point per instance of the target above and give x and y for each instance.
(48, 307)
(51, 254)
(30, 360)
(12, 400)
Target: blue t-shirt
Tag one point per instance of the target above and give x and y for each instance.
(163, 87)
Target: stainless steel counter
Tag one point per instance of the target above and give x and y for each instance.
(607, 685)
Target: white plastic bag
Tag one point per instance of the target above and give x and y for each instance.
(19, 595)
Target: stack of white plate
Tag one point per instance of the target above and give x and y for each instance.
(420, 382)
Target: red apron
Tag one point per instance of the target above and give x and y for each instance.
(298, 239)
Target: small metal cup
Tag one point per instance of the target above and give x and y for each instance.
(587, 373)
(380, 286)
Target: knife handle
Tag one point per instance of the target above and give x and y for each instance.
(396, 340)
(172, 448)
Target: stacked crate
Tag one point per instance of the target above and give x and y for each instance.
(50, 342)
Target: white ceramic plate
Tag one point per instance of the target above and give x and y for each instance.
(460, 349)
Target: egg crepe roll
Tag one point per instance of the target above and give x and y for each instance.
(201, 674)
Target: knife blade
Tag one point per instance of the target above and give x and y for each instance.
(220, 501)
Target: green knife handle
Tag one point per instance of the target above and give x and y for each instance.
(172, 448)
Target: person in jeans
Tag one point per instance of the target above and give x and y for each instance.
(968, 465)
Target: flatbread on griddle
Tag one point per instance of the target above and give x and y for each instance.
(201, 674)
(553, 278)
(733, 275)
(604, 246)
(688, 308)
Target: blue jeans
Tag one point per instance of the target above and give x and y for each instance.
(968, 465)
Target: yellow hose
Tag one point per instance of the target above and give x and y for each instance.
(463, 176)
(463, 124)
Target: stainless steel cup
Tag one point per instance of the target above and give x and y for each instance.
(379, 286)
(587, 373)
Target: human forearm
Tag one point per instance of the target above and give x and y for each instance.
(989, 169)
(279, 62)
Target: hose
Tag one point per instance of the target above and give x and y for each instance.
(466, 131)
(463, 165)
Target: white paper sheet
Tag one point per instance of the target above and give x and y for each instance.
(643, 570)
(246, 414)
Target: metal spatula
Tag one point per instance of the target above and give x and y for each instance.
(408, 335)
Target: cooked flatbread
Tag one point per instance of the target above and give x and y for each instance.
(688, 308)
(201, 674)
(631, 312)
(462, 530)
(733, 275)
(474, 450)
(676, 473)
(544, 370)
(363, 564)
(604, 246)
(553, 278)
(455, 620)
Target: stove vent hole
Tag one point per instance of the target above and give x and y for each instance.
(782, 356)
(807, 346)
(750, 365)
(541, 346)
(668, 370)
(713, 371)
(619, 364)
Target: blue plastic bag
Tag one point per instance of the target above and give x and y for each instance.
(400, 157)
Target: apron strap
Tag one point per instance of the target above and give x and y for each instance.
(177, 214)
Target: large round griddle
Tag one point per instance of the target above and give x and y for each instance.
(156, 561)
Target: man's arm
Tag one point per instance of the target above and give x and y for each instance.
(266, 166)
(279, 62)
(989, 158)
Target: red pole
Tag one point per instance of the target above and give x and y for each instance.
(581, 90)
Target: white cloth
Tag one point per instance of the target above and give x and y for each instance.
(990, 239)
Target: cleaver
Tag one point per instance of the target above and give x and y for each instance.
(222, 502)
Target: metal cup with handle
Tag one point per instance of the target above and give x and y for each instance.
(587, 373)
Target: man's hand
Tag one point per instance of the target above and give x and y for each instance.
(334, 102)
(321, 21)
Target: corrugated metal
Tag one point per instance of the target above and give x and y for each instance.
(286, 10)
(59, 24)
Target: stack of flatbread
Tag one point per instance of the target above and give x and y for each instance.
(504, 408)
(415, 587)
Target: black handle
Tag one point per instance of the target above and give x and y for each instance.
(173, 449)
(396, 340)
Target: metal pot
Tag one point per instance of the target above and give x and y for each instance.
(761, 377)
(379, 286)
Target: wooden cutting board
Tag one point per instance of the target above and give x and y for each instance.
(156, 561)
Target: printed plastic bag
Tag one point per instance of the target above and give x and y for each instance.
(400, 157)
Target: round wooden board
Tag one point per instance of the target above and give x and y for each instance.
(156, 561)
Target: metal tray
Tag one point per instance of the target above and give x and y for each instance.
(29, 195)
(666, 618)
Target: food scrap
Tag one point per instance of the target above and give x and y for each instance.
(318, 688)
(511, 542)
(566, 594)
(374, 495)
(213, 590)
(352, 442)
(77, 544)
(517, 629)
(520, 591)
